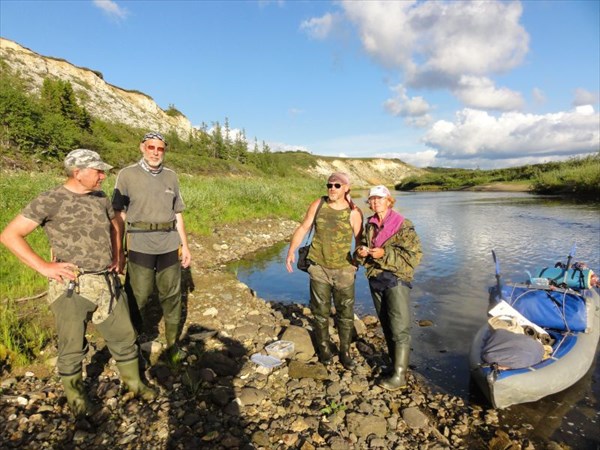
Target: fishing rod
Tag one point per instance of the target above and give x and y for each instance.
(569, 258)
(497, 263)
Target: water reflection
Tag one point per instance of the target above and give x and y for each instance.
(458, 230)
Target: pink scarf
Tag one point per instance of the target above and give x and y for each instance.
(389, 226)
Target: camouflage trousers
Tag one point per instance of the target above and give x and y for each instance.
(332, 284)
(90, 300)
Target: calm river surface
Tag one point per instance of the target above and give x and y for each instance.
(458, 230)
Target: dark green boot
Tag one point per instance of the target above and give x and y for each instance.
(398, 378)
(130, 375)
(323, 343)
(77, 398)
(174, 353)
(345, 330)
(388, 370)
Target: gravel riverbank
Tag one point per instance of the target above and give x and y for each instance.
(220, 399)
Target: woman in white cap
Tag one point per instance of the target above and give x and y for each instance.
(390, 251)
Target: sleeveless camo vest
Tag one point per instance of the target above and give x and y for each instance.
(333, 238)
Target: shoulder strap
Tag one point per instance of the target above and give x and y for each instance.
(312, 226)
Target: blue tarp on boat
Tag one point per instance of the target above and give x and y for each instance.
(556, 310)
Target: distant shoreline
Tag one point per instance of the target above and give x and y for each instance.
(523, 186)
(502, 187)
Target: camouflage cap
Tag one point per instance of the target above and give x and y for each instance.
(85, 159)
(154, 135)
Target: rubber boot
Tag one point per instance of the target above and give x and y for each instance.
(320, 301)
(130, 375)
(391, 346)
(77, 398)
(398, 378)
(323, 343)
(174, 353)
(345, 332)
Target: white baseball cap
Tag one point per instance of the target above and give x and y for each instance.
(379, 191)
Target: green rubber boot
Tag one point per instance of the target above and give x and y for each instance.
(130, 375)
(174, 353)
(398, 378)
(323, 342)
(77, 398)
(345, 331)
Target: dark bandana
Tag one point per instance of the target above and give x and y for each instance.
(153, 135)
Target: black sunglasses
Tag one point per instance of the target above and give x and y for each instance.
(335, 185)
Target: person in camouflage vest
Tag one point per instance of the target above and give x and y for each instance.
(332, 271)
(83, 284)
(390, 251)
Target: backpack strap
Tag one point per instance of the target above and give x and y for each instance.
(312, 226)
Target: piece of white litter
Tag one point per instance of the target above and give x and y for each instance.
(266, 361)
(280, 349)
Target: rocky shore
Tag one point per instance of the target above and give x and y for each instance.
(220, 399)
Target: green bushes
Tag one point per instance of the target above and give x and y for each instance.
(578, 177)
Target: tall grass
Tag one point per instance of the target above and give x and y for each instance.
(18, 189)
(22, 335)
(216, 200)
(210, 201)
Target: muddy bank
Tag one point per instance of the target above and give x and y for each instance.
(502, 187)
(220, 399)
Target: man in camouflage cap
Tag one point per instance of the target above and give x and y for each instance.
(80, 224)
(337, 221)
(148, 200)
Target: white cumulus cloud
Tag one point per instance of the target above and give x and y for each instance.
(476, 134)
(437, 42)
(111, 8)
(403, 105)
(481, 93)
(455, 45)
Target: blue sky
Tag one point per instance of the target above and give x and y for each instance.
(455, 84)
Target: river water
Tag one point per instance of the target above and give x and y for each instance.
(458, 230)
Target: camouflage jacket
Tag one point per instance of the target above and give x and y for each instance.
(402, 252)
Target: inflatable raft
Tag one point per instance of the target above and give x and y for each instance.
(571, 317)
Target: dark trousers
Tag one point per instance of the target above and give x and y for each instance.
(393, 309)
(145, 271)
